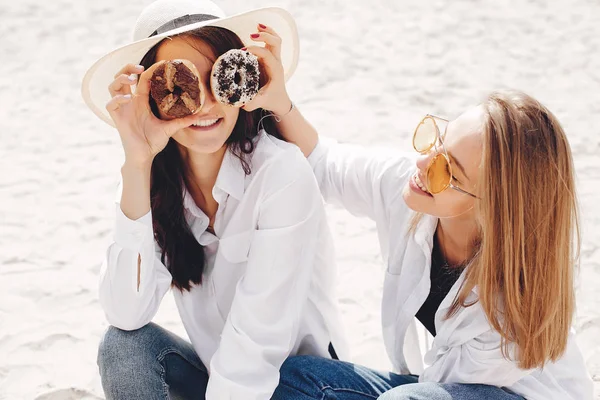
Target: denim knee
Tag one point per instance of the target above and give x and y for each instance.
(125, 352)
(414, 391)
(297, 368)
(129, 365)
(296, 381)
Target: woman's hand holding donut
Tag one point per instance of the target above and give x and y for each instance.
(273, 95)
(143, 135)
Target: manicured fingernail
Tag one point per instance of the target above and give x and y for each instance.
(132, 78)
(254, 35)
(127, 96)
(244, 48)
(140, 67)
(262, 26)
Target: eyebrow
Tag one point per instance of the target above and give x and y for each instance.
(458, 164)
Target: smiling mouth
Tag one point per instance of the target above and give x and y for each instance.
(206, 124)
(419, 186)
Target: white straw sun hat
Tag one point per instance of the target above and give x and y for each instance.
(165, 18)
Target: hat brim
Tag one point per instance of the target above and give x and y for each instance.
(94, 88)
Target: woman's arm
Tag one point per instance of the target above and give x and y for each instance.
(133, 280)
(364, 181)
(296, 129)
(273, 95)
(263, 323)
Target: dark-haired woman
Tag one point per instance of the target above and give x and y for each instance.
(226, 214)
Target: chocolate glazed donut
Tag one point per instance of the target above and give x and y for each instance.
(175, 87)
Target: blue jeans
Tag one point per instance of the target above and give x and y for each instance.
(314, 378)
(150, 363)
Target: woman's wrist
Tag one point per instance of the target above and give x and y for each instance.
(136, 166)
(135, 196)
(283, 107)
(136, 176)
(279, 117)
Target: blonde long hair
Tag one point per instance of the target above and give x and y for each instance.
(529, 231)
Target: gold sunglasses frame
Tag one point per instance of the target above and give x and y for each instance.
(439, 154)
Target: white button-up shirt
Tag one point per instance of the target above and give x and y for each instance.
(466, 349)
(268, 289)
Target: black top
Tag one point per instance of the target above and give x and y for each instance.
(443, 277)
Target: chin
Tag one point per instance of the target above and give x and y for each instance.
(414, 201)
(201, 142)
(206, 149)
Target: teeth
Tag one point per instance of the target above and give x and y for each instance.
(419, 183)
(206, 122)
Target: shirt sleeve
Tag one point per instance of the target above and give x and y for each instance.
(262, 326)
(126, 305)
(365, 181)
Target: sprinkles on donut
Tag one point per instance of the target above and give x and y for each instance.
(235, 78)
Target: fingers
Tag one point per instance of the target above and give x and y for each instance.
(113, 105)
(253, 104)
(143, 87)
(268, 59)
(268, 29)
(122, 84)
(124, 79)
(258, 100)
(275, 82)
(130, 69)
(272, 41)
(174, 125)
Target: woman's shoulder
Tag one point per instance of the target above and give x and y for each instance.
(278, 159)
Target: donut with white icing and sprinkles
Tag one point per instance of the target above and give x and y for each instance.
(235, 78)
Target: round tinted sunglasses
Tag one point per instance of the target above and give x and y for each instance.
(439, 170)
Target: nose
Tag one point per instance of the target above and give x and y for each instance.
(424, 159)
(209, 99)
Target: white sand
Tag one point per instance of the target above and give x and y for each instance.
(368, 70)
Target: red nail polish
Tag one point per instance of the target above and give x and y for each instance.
(262, 26)
(254, 35)
(244, 48)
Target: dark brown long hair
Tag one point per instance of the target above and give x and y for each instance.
(180, 251)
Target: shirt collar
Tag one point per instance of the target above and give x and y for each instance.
(190, 205)
(230, 180)
(424, 232)
(231, 175)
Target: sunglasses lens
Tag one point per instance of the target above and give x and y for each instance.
(425, 135)
(438, 174)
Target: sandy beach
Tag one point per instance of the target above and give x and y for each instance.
(368, 71)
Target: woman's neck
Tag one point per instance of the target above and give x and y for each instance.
(456, 238)
(201, 171)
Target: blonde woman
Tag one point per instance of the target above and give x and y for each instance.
(479, 240)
